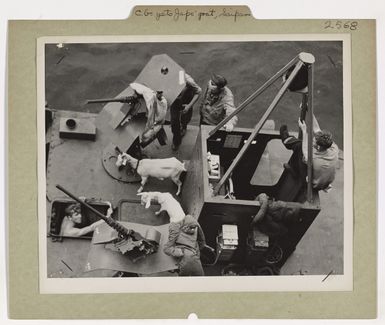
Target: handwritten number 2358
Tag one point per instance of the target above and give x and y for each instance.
(352, 25)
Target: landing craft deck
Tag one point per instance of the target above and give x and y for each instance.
(77, 165)
(230, 176)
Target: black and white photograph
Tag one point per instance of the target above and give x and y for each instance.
(195, 163)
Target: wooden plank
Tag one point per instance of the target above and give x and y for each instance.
(192, 189)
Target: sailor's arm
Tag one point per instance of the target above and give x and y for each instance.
(201, 237)
(78, 232)
(302, 125)
(303, 106)
(161, 112)
(229, 109)
(263, 201)
(190, 82)
(316, 127)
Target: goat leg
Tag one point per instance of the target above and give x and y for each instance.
(142, 183)
(178, 183)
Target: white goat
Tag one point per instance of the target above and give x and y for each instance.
(159, 168)
(167, 203)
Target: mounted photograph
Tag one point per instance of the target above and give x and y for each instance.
(195, 163)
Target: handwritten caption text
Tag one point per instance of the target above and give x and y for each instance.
(189, 14)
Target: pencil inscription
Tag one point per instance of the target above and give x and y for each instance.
(184, 14)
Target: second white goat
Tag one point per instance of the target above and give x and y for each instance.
(167, 203)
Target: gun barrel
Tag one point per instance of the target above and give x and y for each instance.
(111, 222)
(103, 100)
(128, 99)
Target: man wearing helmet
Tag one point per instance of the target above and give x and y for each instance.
(325, 154)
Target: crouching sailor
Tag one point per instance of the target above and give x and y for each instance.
(156, 105)
(185, 240)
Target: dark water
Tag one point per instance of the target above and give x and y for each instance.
(78, 72)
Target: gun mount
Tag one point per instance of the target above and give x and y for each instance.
(123, 113)
(127, 242)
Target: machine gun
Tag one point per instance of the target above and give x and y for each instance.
(124, 100)
(128, 241)
(126, 113)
